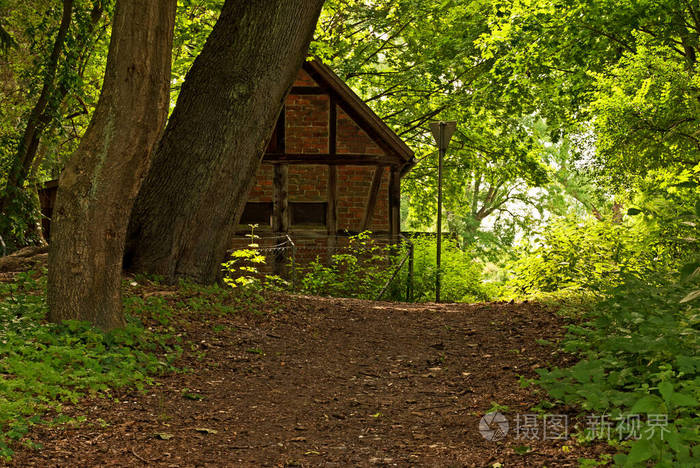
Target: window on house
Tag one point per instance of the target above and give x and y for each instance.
(301, 213)
(257, 213)
(308, 213)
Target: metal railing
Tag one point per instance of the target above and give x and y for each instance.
(409, 278)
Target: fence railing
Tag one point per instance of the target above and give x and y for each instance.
(409, 278)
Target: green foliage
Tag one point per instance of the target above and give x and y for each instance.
(622, 72)
(44, 365)
(586, 256)
(194, 20)
(639, 338)
(365, 266)
(639, 356)
(361, 270)
(242, 271)
(461, 281)
(651, 95)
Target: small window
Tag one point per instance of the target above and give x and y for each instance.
(308, 213)
(257, 213)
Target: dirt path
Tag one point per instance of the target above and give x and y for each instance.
(330, 382)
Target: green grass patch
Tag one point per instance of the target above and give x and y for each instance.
(44, 365)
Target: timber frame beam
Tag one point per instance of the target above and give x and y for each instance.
(372, 197)
(326, 158)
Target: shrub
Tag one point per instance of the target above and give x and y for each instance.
(639, 343)
(461, 281)
(639, 357)
(360, 271)
(364, 268)
(587, 256)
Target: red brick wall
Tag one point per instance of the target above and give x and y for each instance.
(353, 193)
(308, 183)
(307, 132)
(303, 79)
(352, 139)
(263, 190)
(306, 124)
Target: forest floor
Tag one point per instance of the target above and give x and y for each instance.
(331, 382)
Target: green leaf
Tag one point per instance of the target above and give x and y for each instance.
(682, 399)
(640, 451)
(673, 440)
(647, 404)
(522, 449)
(634, 211)
(193, 396)
(666, 390)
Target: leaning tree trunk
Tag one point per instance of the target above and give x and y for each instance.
(102, 178)
(187, 209)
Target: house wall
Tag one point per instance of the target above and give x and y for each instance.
(309, 183)
(307, 125)
(307, 131)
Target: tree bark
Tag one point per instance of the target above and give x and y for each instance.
(101, 180)
(193, 196)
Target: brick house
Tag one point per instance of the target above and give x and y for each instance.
(332, 168)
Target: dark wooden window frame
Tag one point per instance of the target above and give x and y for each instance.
(308, 213)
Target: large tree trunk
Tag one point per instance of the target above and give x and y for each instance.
(186, 211)
(100, 182)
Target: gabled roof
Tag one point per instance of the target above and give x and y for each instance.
(354, 106)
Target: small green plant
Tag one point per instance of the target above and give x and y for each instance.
(242, 271)
(190, 395)
(44, 365)
(498, 408)
(361, 270)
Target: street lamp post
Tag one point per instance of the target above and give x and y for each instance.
(442, 132)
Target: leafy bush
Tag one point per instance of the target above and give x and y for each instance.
(43, 365)
(461, 280)
(589, 255)
(361, 270)
(638, 340)
(639, 352)
(365, 266)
